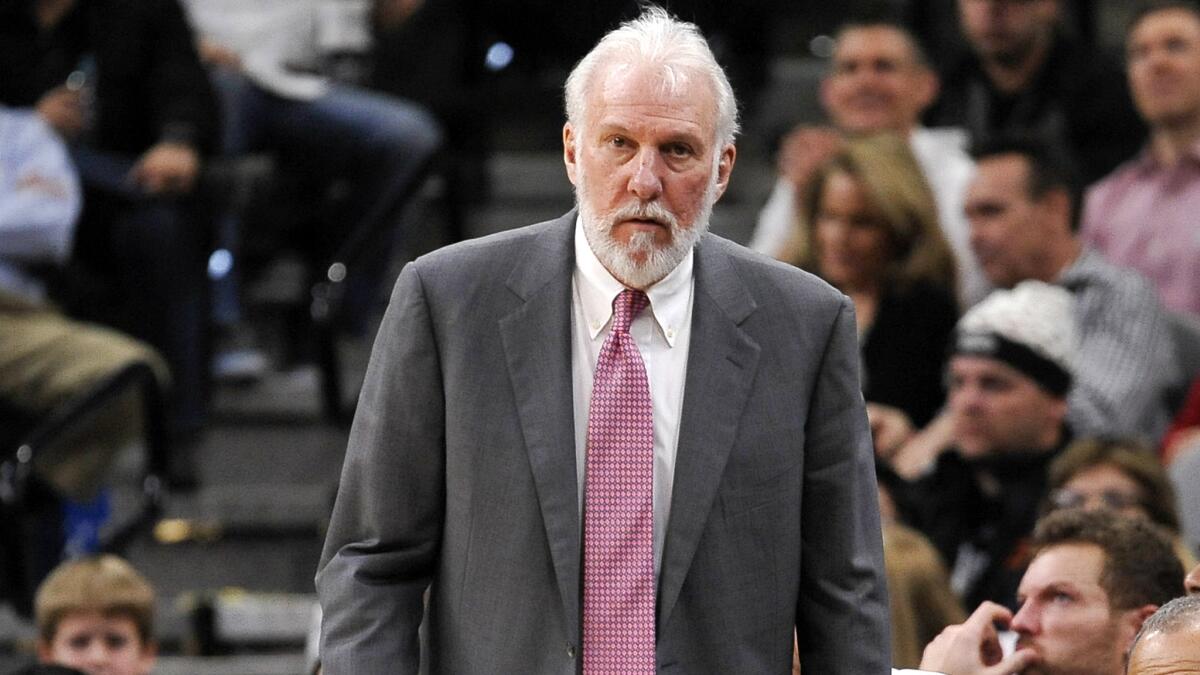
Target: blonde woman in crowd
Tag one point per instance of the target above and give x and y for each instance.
(868, 225)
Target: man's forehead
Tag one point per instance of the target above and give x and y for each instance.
(1072, 564)
(979, 365)
(873, 41)
(1176, 21)
(1008, 172)
(626, 94)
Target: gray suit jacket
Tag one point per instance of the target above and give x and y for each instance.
(460, 476)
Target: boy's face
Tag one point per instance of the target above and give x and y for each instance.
(99, 645)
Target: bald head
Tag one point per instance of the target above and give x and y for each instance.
(1169, 641)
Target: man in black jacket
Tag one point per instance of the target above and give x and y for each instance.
(121, 82)
(1025, 74)
(1008, 377)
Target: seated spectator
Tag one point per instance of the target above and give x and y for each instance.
(1023, 73)
(1169, 641)
(1121, 476)
(97, 615)
(1143, 215)
(1021, 205)
(46, 358)
(122, 83)
(869, 227)
(1094, 579)
(879, 81)
(1009, 374)
(263, 56)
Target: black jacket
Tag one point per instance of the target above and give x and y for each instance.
(1079, 100)
(149, 83)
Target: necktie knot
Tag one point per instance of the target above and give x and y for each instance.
(626, 307)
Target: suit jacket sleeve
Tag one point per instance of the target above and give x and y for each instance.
(385, 534)
(842, 617)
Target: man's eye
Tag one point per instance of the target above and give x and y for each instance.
(617, 142)
(679, 150)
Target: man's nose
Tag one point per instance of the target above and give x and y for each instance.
(646, 181)
(97, 654)
(1026, 620)
(965, 397)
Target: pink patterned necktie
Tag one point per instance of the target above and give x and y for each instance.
(618, 530)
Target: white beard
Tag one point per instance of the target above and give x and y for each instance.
(621, 259)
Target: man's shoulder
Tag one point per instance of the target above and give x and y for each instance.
(772, 283)
(1093, 270)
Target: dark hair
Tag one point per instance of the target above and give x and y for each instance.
(1050, 165)
(1133, 459)
(1147, 7)
(883, 15)
(1140, 565)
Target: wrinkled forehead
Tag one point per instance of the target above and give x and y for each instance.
(686, 91)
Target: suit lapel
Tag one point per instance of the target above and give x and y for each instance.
(722, 360)
(537, 346)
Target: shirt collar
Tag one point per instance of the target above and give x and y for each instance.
(1145, 163)
(669, 298)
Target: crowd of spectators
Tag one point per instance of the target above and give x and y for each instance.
(1015, 227)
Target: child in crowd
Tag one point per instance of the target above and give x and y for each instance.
(97, 615)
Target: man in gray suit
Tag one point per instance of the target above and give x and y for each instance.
(477, 457)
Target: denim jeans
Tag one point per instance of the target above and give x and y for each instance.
(378, 143)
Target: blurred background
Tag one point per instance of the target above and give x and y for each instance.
(232, 545)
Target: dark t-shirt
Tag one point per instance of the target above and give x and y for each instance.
(904, 351)
(1079, 100)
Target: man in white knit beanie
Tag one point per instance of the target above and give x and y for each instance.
(1008, 378)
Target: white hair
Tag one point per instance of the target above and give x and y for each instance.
(657, 39)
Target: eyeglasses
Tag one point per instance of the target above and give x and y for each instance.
(1112, 499)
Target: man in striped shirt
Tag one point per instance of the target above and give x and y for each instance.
(1022, 208)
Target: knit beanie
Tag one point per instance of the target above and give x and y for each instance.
(1030, 328)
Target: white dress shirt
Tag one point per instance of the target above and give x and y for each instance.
(663, 335)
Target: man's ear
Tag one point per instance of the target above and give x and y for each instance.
(569, 153)
(44, 652)
(1057, 203)
(928, 85)
(1132, 622)
(725, 167)
(825, 94)
(148, 658)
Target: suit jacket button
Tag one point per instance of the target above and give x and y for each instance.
(570, 651)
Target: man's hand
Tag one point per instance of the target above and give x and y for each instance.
(390, 14)
(890, 428)
(803, 150)
(218, 55)
(973, 647)
(167, 168)
(916, 455)
(63, 110)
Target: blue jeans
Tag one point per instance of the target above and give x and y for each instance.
(379, 143)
